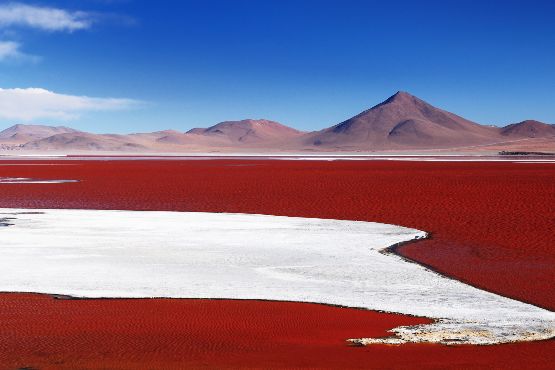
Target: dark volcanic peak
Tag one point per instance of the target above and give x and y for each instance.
(402, 121)
(399, 96)
(529, 129)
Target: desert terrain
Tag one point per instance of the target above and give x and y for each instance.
(401, 123)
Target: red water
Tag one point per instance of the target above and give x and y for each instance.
(491, 223)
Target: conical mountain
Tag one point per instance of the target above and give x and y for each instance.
(403, 121)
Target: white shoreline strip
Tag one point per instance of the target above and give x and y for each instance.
(292, 157)
(90, 253)
(25, 180)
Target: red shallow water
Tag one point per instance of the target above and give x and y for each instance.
(491, 223)
(39, 331)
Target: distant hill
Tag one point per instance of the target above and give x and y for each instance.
(248, 131)
(528, 129)
(401, 122)
(83, 141)
(21, 134)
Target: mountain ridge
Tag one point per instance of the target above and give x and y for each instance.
(21, 133)
(401, 122)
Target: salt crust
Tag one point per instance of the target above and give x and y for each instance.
(93, 253)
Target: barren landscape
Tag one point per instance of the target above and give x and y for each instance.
(402, 123)
(306, 184)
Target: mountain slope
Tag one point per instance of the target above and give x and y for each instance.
(528, 129)
(248, 131)
(21, 134)
(402, 122)
(84, 141)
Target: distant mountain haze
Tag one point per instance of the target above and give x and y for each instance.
(21, 134)
(402, 122)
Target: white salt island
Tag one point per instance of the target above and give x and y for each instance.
(94, 253)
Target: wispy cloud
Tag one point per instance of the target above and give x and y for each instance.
(35, 103)
(11, 51)
(8, 50)
(45, 18)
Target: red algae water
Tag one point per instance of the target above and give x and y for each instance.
(491, 225)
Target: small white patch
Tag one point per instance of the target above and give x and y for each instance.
(25, 180)
(92, 253)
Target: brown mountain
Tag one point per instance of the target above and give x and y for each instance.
(188, 140)
(529, 129)
(224, 136)
(402, 122)
(21, 134)
(84, 141)
(248, 131)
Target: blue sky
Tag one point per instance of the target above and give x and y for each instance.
(132, 65)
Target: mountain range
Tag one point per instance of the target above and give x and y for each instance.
(403, 122)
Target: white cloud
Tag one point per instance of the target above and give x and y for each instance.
(36, 103)
(10, 51)
(45, 18)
